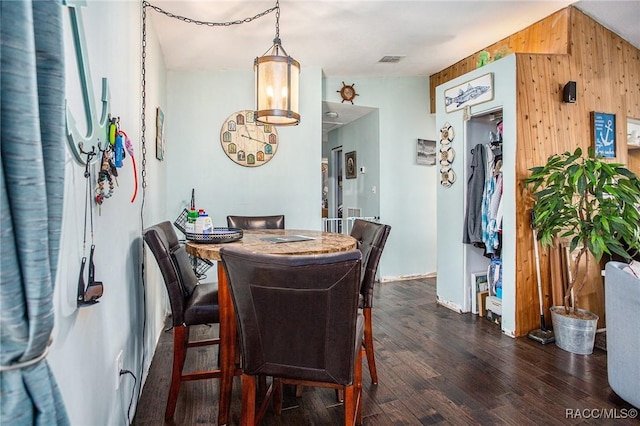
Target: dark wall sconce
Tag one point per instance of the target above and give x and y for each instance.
(569, 92)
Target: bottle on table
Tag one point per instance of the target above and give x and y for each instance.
(190, 226)
(204, 224)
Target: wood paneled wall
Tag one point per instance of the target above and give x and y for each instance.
(550, 35)
(634, 161)
(606, 69)
(566, 46)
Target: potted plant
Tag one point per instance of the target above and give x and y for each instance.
(596, 204)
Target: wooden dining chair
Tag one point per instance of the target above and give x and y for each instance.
(256, 222)
(371, 239)
(191, 304)
(299, 323)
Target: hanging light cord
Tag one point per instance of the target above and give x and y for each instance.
(143, 127)
(277, 43)
(215, 24)
(277, 8)
(143, 124)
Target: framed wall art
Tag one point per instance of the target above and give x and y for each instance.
(604, 134)
(160, 142)
(351, 165)
(426, 152)
(469, 93)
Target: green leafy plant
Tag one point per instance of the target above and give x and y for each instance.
(591, 201)
(484, 58)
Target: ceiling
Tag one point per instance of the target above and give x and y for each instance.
(347, 38)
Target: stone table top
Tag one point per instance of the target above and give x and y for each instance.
(257, 241)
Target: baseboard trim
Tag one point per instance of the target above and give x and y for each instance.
(450, 305)
(407, 277)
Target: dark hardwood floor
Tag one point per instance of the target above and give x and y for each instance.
(434, 366)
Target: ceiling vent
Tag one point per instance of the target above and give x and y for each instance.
(391, 59)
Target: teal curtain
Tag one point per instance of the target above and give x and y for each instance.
(32, 183)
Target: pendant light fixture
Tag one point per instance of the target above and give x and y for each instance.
(277, 77)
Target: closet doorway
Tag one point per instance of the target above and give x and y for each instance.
(483, 211)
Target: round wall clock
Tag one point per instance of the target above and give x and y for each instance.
(348, 93)
(246, 141)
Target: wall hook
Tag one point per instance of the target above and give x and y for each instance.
(95, 126)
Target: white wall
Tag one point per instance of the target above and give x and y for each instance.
(87, 341)
(407, 190)
(453, 277)
(361, 136)
(289, 184)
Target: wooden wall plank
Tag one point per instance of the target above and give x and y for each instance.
(549, 35)
(606, 69)
(566, 46)
(634, 161)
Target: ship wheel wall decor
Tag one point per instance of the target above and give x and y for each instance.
(447, 154)
(348, 93)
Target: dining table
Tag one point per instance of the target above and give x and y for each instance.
(269, 241)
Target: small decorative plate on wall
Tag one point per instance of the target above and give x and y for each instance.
(447, 154)
(447, 177)
(446, 134)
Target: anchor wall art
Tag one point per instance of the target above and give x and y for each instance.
(96, 132)
(604, 134)
(469, 93)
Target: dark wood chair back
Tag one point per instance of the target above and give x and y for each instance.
(371, 238)
(256, 222)
(191, 303)
(298, 318)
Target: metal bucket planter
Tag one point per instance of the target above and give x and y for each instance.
(574, 335)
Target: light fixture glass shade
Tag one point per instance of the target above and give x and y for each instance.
(277, 80)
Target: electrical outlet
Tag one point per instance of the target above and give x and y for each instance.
(119, 367)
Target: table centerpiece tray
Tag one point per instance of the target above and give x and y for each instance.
(219, 234)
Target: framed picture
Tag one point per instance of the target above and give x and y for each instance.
(351, 165)
(160, 141)
(426, 152)
(472, 92)
(604, 134)
(479, 286)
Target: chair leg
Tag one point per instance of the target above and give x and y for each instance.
(353, 395)
(228, 346)
(248, 413)
(180, 339)
(368, 344)
(357, 379)
(277, 396)
(349, 405)
(262, 385)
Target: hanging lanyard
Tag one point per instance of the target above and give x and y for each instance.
(129, 147)
(87, 206)
(93, 291)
